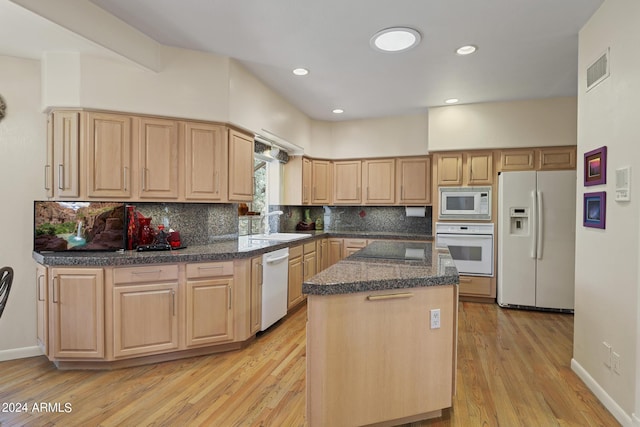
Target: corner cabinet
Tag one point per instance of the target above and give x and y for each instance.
(240, 167)
(62, 171)
(76, 313)
(42, 309)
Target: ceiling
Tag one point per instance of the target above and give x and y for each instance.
(526, 48)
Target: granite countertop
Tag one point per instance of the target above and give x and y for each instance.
(386, 265)
(241, 247)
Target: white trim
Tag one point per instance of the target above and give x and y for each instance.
(636, 420)
(19, 353)
(604, 398)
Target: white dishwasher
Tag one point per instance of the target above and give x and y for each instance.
(275, 281)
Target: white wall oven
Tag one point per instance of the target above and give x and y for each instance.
(472, 203)
(470, 245)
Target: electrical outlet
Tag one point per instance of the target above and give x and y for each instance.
(435, 318)
(606, 354)
(615, 362)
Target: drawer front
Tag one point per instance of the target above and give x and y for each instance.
(150, 273)
(474, 285)
(295, 251)
(309, 247)
(209, 269)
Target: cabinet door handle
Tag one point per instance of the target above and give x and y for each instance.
(215, 177)
(389, 296)
(213, 267)
(38, 281)
(229, 286)
(46, 177)
(55, 294)
(173, 302)
(261, 273)
(61, 177)
(125, 173)
(144, 179)
(147, 272)
(402, 192)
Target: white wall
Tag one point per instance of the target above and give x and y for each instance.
(23, 150)
(190, 85)
(607, 278)
(256, 107)
(513, 124)
(378, 137)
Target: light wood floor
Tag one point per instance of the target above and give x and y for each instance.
(513, 370)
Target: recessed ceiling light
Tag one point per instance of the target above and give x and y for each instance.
(300, 71)
(395, 39)
(338, 111)
(451, 101)
(466, 50)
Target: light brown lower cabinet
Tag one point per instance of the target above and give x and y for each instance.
(296, 276)
(209, 295)
(335, 250)
(145, 310)
(76, 313)
(42, 309)
(477, 286)
(374, 360)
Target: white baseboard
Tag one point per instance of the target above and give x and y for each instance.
(20, 353)
(617, 412)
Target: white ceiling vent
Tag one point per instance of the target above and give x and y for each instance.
(598, 71)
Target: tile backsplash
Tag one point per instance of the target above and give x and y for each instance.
(198, 223)
(357, 218)
(202, 223)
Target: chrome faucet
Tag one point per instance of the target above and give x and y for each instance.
(266, 215)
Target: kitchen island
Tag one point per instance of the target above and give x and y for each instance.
(381, 336)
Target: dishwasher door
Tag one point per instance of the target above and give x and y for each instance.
(275, 281)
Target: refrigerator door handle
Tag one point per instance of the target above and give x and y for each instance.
(540, 226)
(534, 222)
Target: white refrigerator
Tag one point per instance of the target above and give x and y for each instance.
(536, 239)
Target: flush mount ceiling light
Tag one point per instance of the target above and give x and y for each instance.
(451, 101)
(396, 39)
(466, 50)
(300, 71)
(338, 111)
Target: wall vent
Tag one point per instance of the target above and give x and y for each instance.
(598, 71)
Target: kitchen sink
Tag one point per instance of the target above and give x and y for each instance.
(280, 237)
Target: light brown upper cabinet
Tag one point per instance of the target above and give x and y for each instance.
(158, 161)
(479, 168)
(413, 180)
(307, 182)
(450, 169)
(240, 167)
(321, 179)
(468, 168)
(543, 158)
(62, 171)
(206, 157)
(554, 158)
(347, 180)
(378, 178)
(517, 160)
(108, 155)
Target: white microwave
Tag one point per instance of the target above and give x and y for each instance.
(473, 203)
